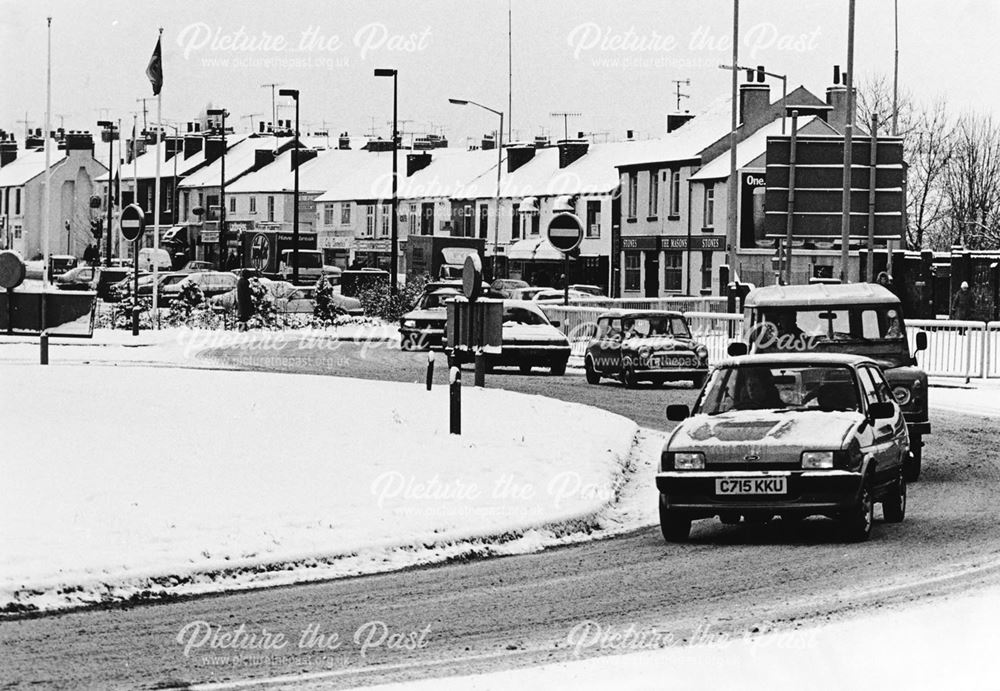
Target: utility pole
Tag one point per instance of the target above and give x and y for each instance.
(274, 107)
(845, 218)
(565, 117)
(143, 100)
(731, 230)
(677, 84)
(250, 116)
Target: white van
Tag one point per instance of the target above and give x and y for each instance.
(310, 265)
(149, 256)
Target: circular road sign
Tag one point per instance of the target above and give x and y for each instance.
(260, 251)
(132, 222)
(11, 270)
(472, 277)
(565, 232)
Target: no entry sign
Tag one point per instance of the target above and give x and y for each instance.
(565, 232)
(132, 222)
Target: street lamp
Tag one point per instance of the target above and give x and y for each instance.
(294, 93)
(394, 227)
(221, 112)
(109, 134)
(496, 225)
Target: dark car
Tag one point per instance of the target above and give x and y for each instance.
(423, 327)
(788, 435)
(645, 345)
(96, 278)
(530, 340)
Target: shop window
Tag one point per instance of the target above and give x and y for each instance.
(633, 261)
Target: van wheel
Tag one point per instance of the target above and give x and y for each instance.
(911, 467)
(894, 504)
(593, 376)
(558, 368)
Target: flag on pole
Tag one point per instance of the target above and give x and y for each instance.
(154, 70)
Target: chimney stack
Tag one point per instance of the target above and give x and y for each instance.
(755, 102)
(836, 96)
(489, 142)
(571, 149)
(262, 157)
(79, 141)
(415, 162)
(8, 149)
(213, 148)
(192, 145)
(300, 156)
(344, 141)
(676, 120)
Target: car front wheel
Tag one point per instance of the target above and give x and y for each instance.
(675, 526)
(858, 520)
(894, 505)
(628, 376)
(593, 376)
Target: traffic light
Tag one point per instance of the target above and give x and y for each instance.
(96, 228)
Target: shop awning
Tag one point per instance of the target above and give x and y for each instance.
(534, 249)
(175, 234)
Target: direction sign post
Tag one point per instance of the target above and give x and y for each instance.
(133, 223)
(565, 233)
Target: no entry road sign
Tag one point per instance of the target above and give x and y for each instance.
(565, 232)
(132, 222)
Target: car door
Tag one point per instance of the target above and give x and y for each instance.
(900, 436)
(611, 347)
(884, 449)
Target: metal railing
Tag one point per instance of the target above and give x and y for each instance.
(954, 348)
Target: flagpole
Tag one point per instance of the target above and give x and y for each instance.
(156, 194)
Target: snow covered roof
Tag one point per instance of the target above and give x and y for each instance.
(240, 157)
(749, 149)
(315, 175)
(449, 174)
(28, 165)
(370, 177)
(144, 167)
(686, 142)
(820, 294)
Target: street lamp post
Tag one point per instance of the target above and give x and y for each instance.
(294, 93)
(222, 112)
(394, 225)
(110, 133)
(496, 225)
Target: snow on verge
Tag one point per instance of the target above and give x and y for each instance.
(133, 483)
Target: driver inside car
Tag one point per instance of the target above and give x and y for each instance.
(759, 391)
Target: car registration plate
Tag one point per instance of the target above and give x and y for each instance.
(751, 485)
(671, 362)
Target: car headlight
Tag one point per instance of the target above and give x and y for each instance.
(901, 394)
(701, 351)
(644, 352)
(817, 459)
(689, 461)
(409, 323)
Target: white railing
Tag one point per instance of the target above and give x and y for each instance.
(954, 348)
(681, 304)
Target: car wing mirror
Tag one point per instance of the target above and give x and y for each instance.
(677, 412)
(881, 410)
(736, 349)
(921, 340)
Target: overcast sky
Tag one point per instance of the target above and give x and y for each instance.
(612, 62)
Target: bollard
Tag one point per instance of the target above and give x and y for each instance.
(430, 369)
(135, 320)
(456, 401)
(480, 379)
(43, 343)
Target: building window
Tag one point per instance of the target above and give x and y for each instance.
(675, 193)
(232, 205)
(328, 214)
(386, 219)
(672, 270)
(345, 213)
(706, 270)
(149, 199)
(593, 219)
(369, 220)
(270, 209)
(633, 261)
(709, 206)
(412, 219)
(253, 204)
(633, 190)
(17, 202)
(536, 217)
(654, 192)
(17, 232)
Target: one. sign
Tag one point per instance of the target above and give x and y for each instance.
(132, 222)
(472, 277)
(565, 232)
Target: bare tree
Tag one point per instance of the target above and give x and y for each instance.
(874, 97)
(972, 182)
(927, 150)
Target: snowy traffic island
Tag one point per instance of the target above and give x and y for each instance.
(135, 483)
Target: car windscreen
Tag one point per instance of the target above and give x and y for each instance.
(522, 315)
(779, 387)
(437, 299)
(861, 323)
(658, 326)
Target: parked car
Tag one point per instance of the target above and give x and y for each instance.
(195, 265)
(551, 295)
(645, 345)
(594, 291)
(530, 340)
(424, 326)
(526, 293)
(96, 278)
(124, 287)
(858, 318)
(212, 283)
(507, 286)
(788, 435)
(60, 264)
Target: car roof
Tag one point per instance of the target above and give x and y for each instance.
(848, 359)
(639, 314)
(821, 294)
(526, 304)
